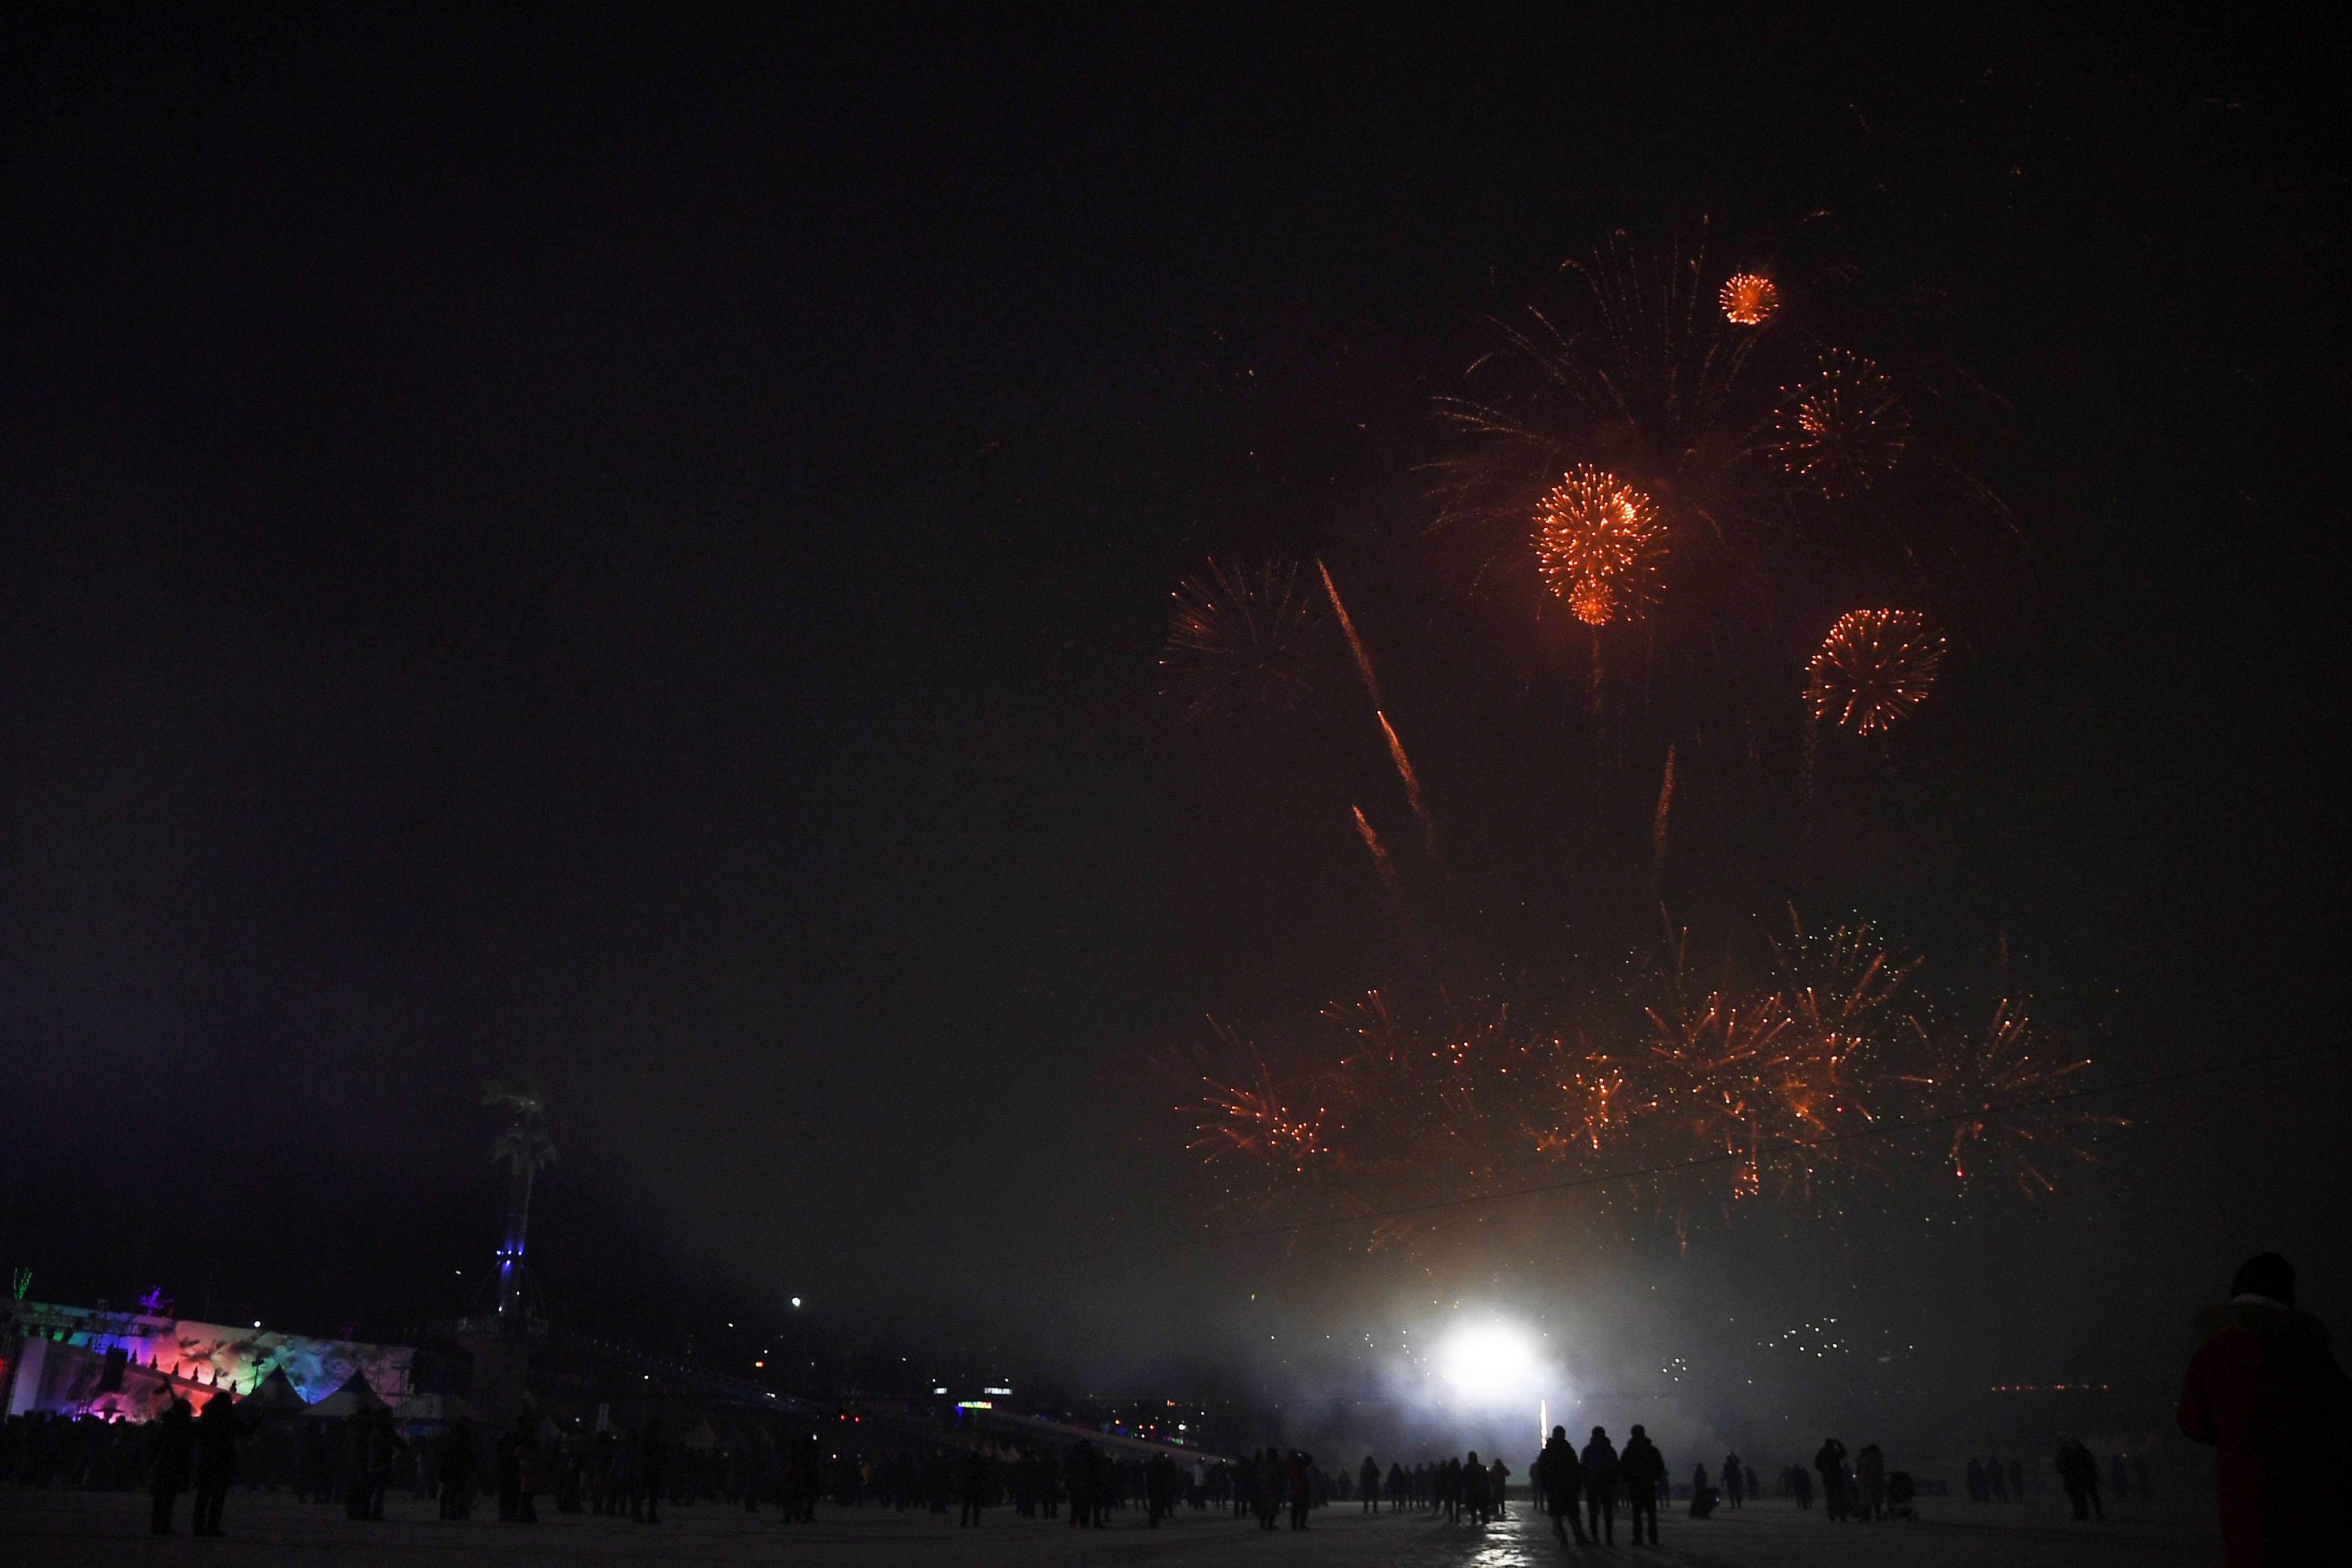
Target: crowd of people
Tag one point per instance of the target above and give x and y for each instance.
(633, 1471)
(2262, 1389)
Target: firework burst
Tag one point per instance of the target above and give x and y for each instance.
(1240, 642)
(1874, 668)
(1843, 428)
(1748, 300)
(1596, 542)
(1764, 1090)
(2000, 1088)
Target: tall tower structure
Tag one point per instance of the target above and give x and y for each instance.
(522, 1148)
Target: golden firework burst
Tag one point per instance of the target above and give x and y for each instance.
(1748, 300)
(1874, 667)
(1596, 542)
(1844, 427)
(1593, 602)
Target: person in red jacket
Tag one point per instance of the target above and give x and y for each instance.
(2264, 1392)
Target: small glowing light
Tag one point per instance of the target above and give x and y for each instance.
(796, 1300)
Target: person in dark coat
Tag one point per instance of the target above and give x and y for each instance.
(1828, 1460)
(1158, 1488)
(461, 1462)
(1297, 1470)
(218, 1433)
(653, 1461)
(1601, 1488)
(1474, 1501)
(2264, 1392)
(978, 1475)
(2078, 1474)
(1368, 1485)
(1562, 1475)
(1734, 1488)
(1078, 1476)
(384, 1443)
(1641, 1468)
(517, 1485)
(175, 1443)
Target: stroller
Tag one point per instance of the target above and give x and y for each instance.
(1899, 1493)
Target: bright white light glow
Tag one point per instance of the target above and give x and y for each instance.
(1490, 1364)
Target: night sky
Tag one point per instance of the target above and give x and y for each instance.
(629, 551)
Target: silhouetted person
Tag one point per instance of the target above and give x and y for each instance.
(1643, 1468)
(1368, 1485)
(1078, 1476)
(2264, 1391)
(1979, 1487)
(218, 1433)
(1734, 1487)
(2078, 1474)
(461, 1462)
(2016, 1477)
(1828, 1460)
(653, 1464)
(1601, 1488)
(976, 1479)
(1302, 1496)
(1870, 1481)
(1475, 1479)
(175, 1444)
(1704, 1498)
(1563, 1480)
(517, 1503)
(2119, 1477)
(1159, 1488)
(383, 1448)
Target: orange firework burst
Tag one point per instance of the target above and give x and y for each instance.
(1240, 641)
(1596, 544)
(1748, 300)
(1844, 427)
(1874, 667)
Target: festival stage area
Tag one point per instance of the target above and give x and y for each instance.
(69, 1529)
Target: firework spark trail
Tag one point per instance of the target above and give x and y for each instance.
(1658, 823)
(1412, 788)
(1355, 643)
(1380, 861)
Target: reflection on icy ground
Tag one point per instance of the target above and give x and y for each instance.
(1505, 1545)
